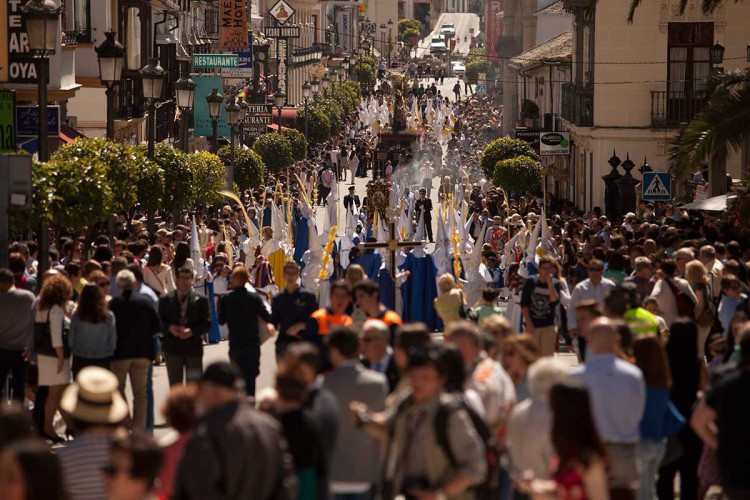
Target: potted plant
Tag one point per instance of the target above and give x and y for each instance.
(530, 112)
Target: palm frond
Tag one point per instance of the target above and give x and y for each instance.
(631, 11)
(719, 129)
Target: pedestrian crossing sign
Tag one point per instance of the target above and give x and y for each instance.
(481, 88)
(656, 186)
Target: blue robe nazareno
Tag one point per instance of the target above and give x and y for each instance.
(386, 289)
(214, 335)
(419, 291)
(371, 261)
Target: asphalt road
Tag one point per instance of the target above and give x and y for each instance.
(463, 22)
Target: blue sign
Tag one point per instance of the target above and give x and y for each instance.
(657, 186)
(27, 120)
(201, 119)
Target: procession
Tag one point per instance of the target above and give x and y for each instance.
(418, 275)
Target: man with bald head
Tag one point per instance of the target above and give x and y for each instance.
(618, 397)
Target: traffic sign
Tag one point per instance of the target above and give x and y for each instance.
(657, 186)
(481, 89)
(282, 12)
(259, 109)
(282, 32)
(215, 61)
(7, 121)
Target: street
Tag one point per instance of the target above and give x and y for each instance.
(463, 23)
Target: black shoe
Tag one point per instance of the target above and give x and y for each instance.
(55, 439)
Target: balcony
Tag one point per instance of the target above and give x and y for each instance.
(578, 104)
(165, 122)
(670, 109)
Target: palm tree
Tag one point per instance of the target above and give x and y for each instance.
(721, 128)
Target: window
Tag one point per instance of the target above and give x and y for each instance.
(689, 56)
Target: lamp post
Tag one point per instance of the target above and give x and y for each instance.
(306, 87)
(244, 111)
(383, 27)
(279, 98)
(390, 35)
(717, 55)
(214, 100)
(717, 178)
(353, 65)
(345, 64)
(110, 53)
(152, 78)
(326, 81)
(233, 118)
(315, 88)
(185, 95)
(334, 79)
(342, 76)
(42, 26)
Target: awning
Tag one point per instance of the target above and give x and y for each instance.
(275, 127)
(715, 204)
(69, 134)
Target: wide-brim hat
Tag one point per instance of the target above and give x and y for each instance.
(95, 398)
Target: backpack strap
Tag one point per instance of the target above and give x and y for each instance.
(444, 412)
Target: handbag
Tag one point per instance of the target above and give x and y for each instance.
(685, 305)
(43, 339)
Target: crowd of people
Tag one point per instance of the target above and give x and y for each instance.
(536, 351)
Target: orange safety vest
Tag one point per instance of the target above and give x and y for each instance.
(390, 318)
(327, 321)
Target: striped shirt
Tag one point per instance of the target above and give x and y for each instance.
(82, 461)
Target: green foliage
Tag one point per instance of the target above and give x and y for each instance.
(520, 175)
(82, 192)
(529, 109)
(366, 69)
(249, 169)
(275, 150)
(476, 62)
(334, 111)
(408, 24)
(346, 97)
(209, 177)
(177, 177)
(120, 164)
(318, 124)
(504, 148)
(408, 34)
(297, 141)
(150, 184)
(42, 197)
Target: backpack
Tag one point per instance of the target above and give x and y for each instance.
(685, 305)
(491, 485)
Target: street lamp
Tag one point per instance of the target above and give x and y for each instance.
(42, 27)
(342, 76)
(245, 111)
(233, 118)
(110, 53)
(353, 64)
(716, 54)
(279, 98)
(345, 64)
(326, 82)
(306, 87)
(184, 89)
(383, 27)
(390, 34)
(214, 100)
(152, 78)
(315, 88)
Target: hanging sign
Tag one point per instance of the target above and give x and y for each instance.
(282, 12)
(16, 62)
(554, 143)
(201, 119)
(7, 121)
(233, 25)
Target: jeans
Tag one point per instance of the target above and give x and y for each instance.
(13, 362)
(181, 369)
(652, 453)
(138, 370)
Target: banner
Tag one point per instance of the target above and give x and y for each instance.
(344, 29)
(494, 27)
(201, 119)
(233, 25)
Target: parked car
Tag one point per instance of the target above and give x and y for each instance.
(459, 68)
(437, 45)
(448, 30)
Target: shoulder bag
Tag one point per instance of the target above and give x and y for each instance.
(43, 338)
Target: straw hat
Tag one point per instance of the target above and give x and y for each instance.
(94, 398)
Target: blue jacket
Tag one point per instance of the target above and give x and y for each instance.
(93, 340)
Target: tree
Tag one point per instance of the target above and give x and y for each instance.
(405, 25)
(366, 69)
(520, 175)
(177, 177)
(297, 141)
(249, 169)
(504, 148)
(42, 197)
(346, 98)
(119, 162)
(318, 124)
(720, 128)
(333, 110)
(476, 62)
(150, 184)
(209, 177)
(275, 150)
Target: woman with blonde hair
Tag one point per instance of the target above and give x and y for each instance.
(448, 305)
(705, 311)
(50, 345)
(518, 353)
